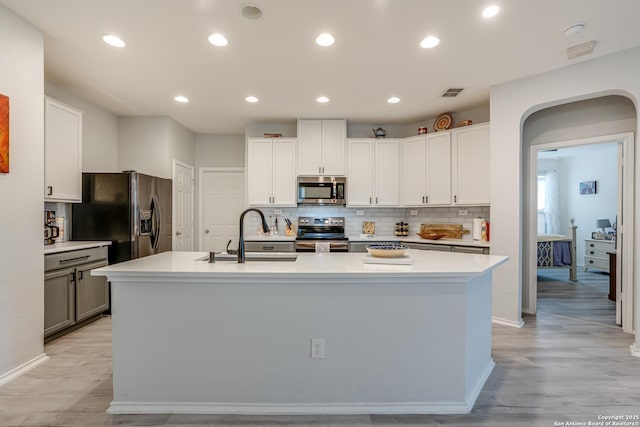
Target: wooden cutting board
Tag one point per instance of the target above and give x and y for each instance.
(450, 231)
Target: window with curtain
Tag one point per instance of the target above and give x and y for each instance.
(542, 225)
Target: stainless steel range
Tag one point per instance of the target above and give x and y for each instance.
(321, 230)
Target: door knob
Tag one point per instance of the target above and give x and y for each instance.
(206, 231)
(178, 233)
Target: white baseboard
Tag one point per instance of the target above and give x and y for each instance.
(356, 408)
(473, 396)
(518, 324)
(25, 367)
(635, 351)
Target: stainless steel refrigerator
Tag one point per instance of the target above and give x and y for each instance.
(130, 209)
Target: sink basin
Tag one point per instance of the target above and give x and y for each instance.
(255, 256)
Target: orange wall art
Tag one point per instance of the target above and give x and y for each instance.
(4, 134)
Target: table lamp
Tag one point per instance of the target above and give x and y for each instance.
(602, 224)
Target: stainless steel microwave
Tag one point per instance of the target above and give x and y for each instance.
(321, 190)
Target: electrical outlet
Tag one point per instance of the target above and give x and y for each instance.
(360, 213)
(317, 348)
(413, 212)
(463, 212)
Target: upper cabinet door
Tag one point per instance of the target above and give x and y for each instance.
(259, 172)
(414, 173)
(284, 172)
(321, 146)
(438, 169)
(387, 172)
(310, 149)
(62, 152)
(471, 165)
(360, 172)
(334, 134)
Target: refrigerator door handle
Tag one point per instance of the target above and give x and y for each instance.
(155, 222)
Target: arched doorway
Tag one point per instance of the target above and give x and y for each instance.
(592, 121)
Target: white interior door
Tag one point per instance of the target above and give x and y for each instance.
(183, 220)
(221, 203)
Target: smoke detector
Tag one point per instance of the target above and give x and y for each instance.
(574, 29)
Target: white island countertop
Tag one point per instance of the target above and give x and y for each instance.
(327, 265)
(73, 246)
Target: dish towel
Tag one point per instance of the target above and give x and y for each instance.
(323, 247)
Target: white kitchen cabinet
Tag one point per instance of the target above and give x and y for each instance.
(322, 147)
(373, 172)
(62, 152)
(471, 165)
(426, 170)
(271, 172)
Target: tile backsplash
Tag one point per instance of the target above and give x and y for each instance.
(385, 218)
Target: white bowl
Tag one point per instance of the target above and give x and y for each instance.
(386, 251)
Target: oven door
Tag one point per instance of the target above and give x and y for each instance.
(310, 245)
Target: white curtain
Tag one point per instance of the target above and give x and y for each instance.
(552, 203)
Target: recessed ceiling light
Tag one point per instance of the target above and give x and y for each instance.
(114, 41)
(181, 98)
(218, 40)
(429, 42)
(490, 11)
(251, 99)
(251, 11)
(574, 29)
(322, 99)
(393, 100)
(325, 39)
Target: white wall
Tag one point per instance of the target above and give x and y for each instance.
(364, 130)
(592, 163)
(511, 104)
(99, 131)
(149, 145)
(182, 145)
(143, 145)
(21, 215)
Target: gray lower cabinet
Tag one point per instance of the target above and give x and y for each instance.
(71, 294)
(92, 292)
(470, 250)
(427, 246)
(259, 246)
(59, 300)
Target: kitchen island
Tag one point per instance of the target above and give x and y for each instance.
(196, 337)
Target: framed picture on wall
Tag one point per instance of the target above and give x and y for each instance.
(588, 187)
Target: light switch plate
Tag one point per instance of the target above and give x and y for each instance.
(277, 211)
(413, 212)
(360, 213)
(463, 212)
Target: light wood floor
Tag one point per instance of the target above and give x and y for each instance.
(562, 366)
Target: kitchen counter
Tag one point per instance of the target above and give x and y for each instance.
(278, 238)
(450, 242)
(196, 337)
(381, 238)
(72, 246)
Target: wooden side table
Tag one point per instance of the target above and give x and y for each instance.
(612, 275)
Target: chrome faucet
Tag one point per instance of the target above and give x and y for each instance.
(265, 228)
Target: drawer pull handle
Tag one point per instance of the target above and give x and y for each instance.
(592, 245)
(64, 261)
(590, 261)
(267, 248)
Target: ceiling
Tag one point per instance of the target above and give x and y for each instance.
(275, 58)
